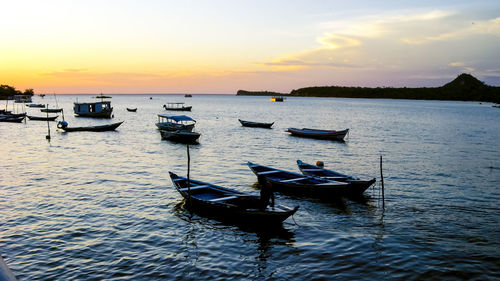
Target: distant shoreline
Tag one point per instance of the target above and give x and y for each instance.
(464, 88)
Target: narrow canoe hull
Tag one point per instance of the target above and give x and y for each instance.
(101, 128)
(228, 204)
(356, 186)
(41, 118)
(180, 136)
(295, 183)
(319, 134)
(131, 109)
(51, 110)
(255, 124)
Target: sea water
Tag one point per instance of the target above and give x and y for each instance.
(101, 206)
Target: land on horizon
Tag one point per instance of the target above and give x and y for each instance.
(463, 88)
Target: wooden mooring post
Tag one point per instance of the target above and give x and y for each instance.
(188, 184)
(382, 181)
(48, 125)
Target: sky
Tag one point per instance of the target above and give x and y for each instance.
(219, 47)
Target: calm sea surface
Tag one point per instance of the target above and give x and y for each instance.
(101, 206)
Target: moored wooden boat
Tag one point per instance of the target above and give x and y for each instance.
(132, 109)
(51, 110)
(177, 106)
(42, 118)
(255, 124)
(295, 183)
(175, 123)
(100, 109)
(39, 105)
(180, 136)
(319, 134)
(100, 128)
(357, 186)
(211, 200)
(12, 119)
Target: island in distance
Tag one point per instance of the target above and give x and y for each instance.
(463, 88)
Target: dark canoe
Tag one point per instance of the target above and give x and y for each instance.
(357, 186)
(295, 183)
(101, 128)
(51, 110)
(228, 204)
(177, 107)
(319, 134)
(42, 118)
(180, 136)
(11, 119)
(132, 109)
(255, 124)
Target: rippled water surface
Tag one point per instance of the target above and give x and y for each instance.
(100, 206)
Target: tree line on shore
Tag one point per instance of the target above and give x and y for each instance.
(8, 92)
(464, 88)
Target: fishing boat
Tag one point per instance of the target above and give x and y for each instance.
(180, 136)
(277, 99)
(358, 186)
(11, 118)
(42, 118)
(188, 96)
(295, 183)
(177, 106)
(175, 123)
(228, 204)
(100, 109)
(51, 110)
(39, 105)
(255, 124)
(132, 109)
(319, 134)
(63, 125)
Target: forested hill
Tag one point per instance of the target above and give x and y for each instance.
(464, 88)
(258, 93)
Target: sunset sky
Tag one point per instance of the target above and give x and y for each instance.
(221, 46)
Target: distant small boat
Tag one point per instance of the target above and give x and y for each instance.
(319, 134)
(101, 96)
(277, 99)
(229, 204)
(188, 96)
(36, 105)
(132, 109)
(180, 136)
(101, 128)
(255, 124)
(177, 106)
(51, 110)
(357, 186)
(42, 118)
(174, 123)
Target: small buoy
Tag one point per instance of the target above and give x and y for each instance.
(320, 164)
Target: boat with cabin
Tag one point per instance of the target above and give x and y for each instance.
(177, 106)
(228, 204)
(175, 123)
(277, 99)
(101, 109)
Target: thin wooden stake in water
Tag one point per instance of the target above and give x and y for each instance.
(188, 184)
(48, 126)
(382, 181)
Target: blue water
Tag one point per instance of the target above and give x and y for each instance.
(100, 206)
